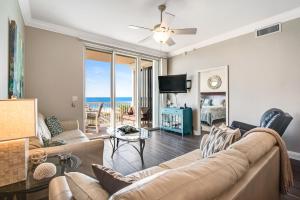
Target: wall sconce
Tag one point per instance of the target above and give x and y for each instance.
(188, 84)
(74, 101)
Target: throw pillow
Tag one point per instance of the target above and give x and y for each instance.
(236, 132)
(111, 180)
(207, 102)
(217, 140)
(43, 131)
(54, 125)
(223, 102)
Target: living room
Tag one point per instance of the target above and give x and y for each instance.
(99, 102)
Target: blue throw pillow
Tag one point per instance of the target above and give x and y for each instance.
(54, 125)
(207, 102)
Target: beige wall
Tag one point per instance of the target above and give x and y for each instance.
(263, 73)
(9, 10)
(54, 73)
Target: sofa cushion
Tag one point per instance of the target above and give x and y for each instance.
(204, 179)
(73, 136)
(50, 143)
(54, 125)
(111, 180)
(84, 187)
(182, 160)
(43, 131)
(70, 125)
(145, 173)
(255, 145)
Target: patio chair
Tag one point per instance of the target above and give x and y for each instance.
(130, 117)
(92, 118)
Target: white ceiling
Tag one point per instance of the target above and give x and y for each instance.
(111, 17)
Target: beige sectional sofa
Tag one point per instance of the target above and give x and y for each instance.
(89, 151)
(247, 170)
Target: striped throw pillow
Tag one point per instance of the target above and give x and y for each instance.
(217, 140)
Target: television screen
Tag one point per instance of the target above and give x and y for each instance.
(172, 84)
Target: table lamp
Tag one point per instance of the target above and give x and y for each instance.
(17, 123)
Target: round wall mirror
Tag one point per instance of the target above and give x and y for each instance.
(214, 82)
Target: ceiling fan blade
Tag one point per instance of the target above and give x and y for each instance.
(185, 31)
(146, 39)
(168, 13)
(167, 19)
(139, 27)
(170, 42)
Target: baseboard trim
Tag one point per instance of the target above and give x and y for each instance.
(196, 132)
(294, 155)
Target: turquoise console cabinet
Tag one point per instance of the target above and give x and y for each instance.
(177, 120)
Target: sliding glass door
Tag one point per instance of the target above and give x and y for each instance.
(146, 92)
(98, 96)
(125, 77)
(120, 89)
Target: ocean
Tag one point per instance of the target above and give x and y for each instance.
(108, 99)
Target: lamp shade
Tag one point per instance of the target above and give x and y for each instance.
(18, 119)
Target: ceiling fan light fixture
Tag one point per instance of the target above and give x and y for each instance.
(161, 37)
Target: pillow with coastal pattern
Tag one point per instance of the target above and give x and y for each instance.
(217, 140)
(54, 125)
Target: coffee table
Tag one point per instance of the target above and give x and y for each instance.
(116, 136)
(21, 189)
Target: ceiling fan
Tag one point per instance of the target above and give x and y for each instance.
(161, 32)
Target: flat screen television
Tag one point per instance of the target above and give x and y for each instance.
(172, 84)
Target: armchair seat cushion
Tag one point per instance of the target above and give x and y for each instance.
(69, 137)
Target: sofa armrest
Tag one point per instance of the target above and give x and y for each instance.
(203, 140)
(70, 125)
(59, 189)
(90, 152)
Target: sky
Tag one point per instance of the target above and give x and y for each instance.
(97, 76)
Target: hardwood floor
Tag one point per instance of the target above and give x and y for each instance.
(295, 191)
(164, 146)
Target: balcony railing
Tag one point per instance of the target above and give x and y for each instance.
(106, 111)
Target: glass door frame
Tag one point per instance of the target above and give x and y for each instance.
(138, 56)
(113, 87)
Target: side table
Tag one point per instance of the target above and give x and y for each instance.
(30, 188)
